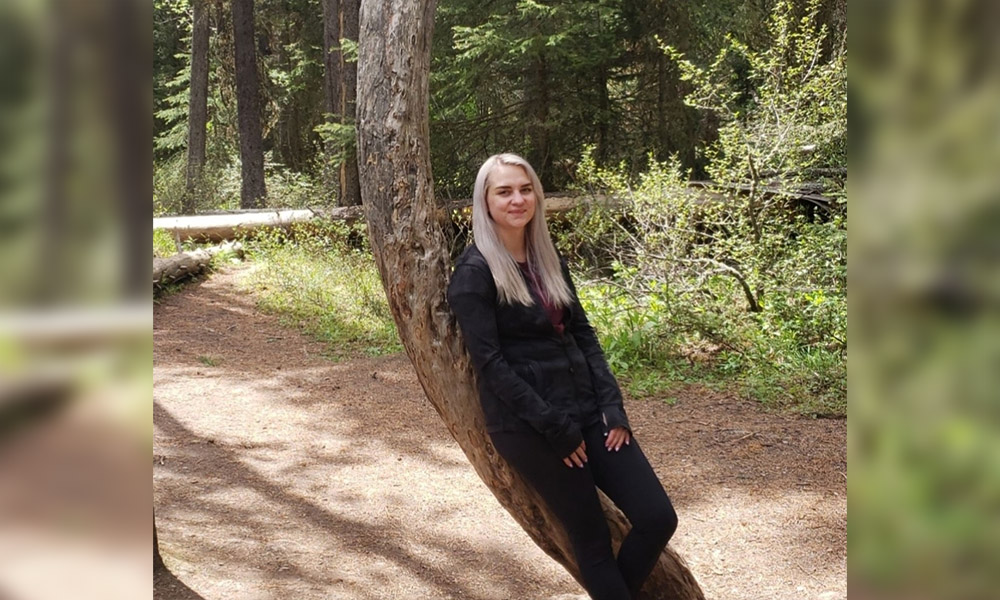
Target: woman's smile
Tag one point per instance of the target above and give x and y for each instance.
(511, 199)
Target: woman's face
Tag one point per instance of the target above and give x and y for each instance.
(510, 197)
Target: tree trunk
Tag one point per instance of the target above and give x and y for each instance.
(409, 248)
(252, 189)
(350, 181)
(603, 114)
(539, 154)
(662, 146)
(340, 21)
(198, 103)
(130, 56)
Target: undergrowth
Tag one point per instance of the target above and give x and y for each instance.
(163, 244)
(322, 279)
(657, 342)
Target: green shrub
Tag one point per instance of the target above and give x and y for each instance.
(744, 277)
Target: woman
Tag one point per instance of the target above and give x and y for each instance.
(553, 409)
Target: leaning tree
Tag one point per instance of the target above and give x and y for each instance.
(411, 253)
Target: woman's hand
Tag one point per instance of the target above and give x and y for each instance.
(617, 437)
(577, 457)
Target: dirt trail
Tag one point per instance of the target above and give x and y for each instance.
(279, 474)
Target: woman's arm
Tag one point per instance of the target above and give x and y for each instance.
(609, 395)
(473, 300)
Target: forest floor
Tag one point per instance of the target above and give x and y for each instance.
(280, 474)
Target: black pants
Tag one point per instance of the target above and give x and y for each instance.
(626, 477)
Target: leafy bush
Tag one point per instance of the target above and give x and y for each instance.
(745, 274)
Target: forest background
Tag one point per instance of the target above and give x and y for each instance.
(716, 129)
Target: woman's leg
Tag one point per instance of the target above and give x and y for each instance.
(572, 496)
(628, 479)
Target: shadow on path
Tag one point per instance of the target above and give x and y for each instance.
(167, 586)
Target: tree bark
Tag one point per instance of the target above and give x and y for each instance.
(350, 181)
(130, 57)
(603, 114)
(197, 103)
(539, 154)
(252, 188)
(340, 21)
(409, 247)
(332, 79)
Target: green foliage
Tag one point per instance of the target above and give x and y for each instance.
(742, 275)
(164, 244)
(171, 60)
(219, 188)
(542, 79)
(339, 139)
(788, 118)
(173, 112)
(545, 79)
(289, 54)
(288, 188)
(323, 279)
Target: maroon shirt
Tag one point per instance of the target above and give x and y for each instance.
(554, 312)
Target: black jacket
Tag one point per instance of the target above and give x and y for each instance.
(530, 376)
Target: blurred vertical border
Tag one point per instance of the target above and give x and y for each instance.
(924, 303)
(75, 298)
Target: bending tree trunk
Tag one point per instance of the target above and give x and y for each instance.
(252, 190)
(197, 103)
(409, 248)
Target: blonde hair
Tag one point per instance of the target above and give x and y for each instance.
(542, 257)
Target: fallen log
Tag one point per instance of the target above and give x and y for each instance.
(225, 226)
(222, 226)
(219, 227)
(52, 350)
(187, 264)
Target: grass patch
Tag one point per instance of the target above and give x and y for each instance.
(322, 279)
(209, 361)
(656, 347)
(164, 244)
(319, 280)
